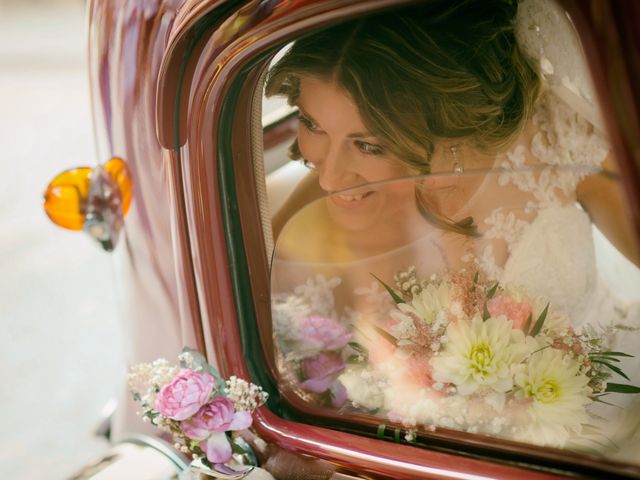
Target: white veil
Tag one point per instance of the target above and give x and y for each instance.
(547, 35)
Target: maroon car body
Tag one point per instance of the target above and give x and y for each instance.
(172, 89)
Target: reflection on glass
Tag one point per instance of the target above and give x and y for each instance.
(437, 266)
(465, 303)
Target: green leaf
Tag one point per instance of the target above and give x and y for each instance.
(358, 348)
(598, 358)
(235, 448)
(386, 335)
(538, 326)
(597, 399)
(615, 369)
(381, 428)
(492, 290)
(527, 324)
(476, 277)
(611, 354)
(485, 313)
(396, 298)
(356, 359)
(200, 364)
(621, 388)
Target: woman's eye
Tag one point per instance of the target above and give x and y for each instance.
(308, 164)
(370, 148)
(308, 124)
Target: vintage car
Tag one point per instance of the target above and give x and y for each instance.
(191, 171)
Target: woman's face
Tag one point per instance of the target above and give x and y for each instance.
(335, 142)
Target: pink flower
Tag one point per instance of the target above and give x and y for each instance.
(517, 312)
(324, 333)
(184, 395)
(419, 371)
(322, 373)
(210, 424)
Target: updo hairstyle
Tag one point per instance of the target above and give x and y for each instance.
(443, 70)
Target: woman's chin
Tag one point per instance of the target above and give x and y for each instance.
(355, 213)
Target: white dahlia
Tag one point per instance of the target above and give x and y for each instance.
(558, 395)
(480, 354)
(430, 304)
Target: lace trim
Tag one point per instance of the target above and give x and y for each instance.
(563, 139)
(505, 225)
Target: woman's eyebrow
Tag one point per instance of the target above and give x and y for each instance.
(364, 134)
(306, 115)
(361, 135)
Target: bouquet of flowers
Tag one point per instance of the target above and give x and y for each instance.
(194, 404)
(462, 352)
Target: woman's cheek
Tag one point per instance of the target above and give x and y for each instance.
(388, 169)
(310, 145)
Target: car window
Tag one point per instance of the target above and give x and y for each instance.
(479, 316)
(443, 277)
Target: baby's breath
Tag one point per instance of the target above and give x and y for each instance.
(146, 379)
(245, 396)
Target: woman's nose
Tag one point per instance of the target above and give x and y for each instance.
(335, 171)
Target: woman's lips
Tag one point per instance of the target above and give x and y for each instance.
(350, 201)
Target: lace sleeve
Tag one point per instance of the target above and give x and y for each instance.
(564, 137)
(563, 148)
(565, 145)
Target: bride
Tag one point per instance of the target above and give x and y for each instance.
(446, 137)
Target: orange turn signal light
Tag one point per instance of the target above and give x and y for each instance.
(65, 199)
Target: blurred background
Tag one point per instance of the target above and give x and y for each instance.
(60, 346)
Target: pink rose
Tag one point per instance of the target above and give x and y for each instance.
(322, 373)
(184, 395)
(324, 333)
(517, 312)
(210, 424)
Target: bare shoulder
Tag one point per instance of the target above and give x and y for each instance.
(604, 199)
(304, 192)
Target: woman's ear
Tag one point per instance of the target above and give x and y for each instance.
(294, 151)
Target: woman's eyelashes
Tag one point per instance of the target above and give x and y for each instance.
(369, 148)
(362, 146)
(308, 124)
(308, 164)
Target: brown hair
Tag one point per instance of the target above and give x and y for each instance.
(443, 70)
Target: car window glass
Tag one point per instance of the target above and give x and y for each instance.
(454, 282)
(439, 322)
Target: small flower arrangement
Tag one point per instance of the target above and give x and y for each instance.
(194, 404)
(465, 353)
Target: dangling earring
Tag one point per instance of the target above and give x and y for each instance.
(458, 168)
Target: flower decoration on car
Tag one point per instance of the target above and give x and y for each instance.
(195, 404)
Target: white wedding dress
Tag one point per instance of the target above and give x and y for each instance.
(555, 254)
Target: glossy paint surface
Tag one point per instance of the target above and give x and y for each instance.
(127, 40)
(173, 68)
